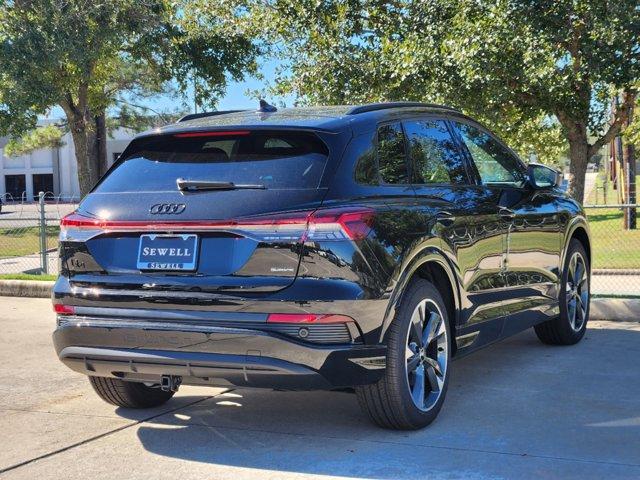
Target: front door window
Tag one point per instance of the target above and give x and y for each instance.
(496, 165)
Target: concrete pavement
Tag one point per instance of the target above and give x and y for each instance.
(589, 187)
(518, 409)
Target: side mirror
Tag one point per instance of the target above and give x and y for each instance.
(542, 176)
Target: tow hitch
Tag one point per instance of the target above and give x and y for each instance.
(170, 383)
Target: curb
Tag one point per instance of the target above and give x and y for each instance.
(620, 271)
(612, 309)
(26, 288)
(616, 309)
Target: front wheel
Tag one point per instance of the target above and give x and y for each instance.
(413, 388)
(571, 324)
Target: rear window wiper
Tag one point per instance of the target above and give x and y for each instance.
(202, 185)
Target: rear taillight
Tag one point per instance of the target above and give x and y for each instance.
(320, 225)
(74, 220)
(339, 224)
(307, 318)
(78, 228)
(352, 223)
(61, 309)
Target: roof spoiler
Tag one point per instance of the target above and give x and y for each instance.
(193, 116)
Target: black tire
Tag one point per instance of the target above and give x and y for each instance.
(389, 402)
(560, 331)
(128, 394)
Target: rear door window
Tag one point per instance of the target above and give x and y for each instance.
(433, 153)
(392, 158)
(277, 160)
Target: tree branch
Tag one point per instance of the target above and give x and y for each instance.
(574, 132)
(162, 116)
(621, 116)
(67, 104)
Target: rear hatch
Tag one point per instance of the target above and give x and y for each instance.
(204, 211)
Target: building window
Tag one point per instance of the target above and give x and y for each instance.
(15, 186)
(42, 182)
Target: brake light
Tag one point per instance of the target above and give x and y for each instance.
(212, 134)
(62, 309)
(307, 318)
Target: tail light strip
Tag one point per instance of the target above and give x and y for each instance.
(320, 225)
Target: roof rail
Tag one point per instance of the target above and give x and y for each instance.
(193, 116)
(372, 107)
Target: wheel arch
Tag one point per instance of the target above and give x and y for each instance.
(433, 266)
(578, 230)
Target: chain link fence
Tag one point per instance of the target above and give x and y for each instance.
(29, 234)
(616, 250)
(29, 242)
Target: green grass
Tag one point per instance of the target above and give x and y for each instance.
(612, 246)
(26, 276)
(20, 241)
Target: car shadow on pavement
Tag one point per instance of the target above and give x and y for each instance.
(518, 399)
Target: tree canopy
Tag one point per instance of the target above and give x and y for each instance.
(87, 56)
(539, 72)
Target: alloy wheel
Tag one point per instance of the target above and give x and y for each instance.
(426, 355)
(577, 291)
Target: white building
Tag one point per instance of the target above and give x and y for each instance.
(50, 170)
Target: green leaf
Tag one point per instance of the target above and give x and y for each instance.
(49, 136)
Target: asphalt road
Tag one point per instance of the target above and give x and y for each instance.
(518, 409)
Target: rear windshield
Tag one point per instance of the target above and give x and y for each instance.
(277, 160)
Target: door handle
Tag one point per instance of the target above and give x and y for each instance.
(506, 214)
(445, 218)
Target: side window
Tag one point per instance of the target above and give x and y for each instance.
(392, 163)
(495, 164)
(366, 168)
(433, 153)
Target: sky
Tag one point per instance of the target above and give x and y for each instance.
(235, 97)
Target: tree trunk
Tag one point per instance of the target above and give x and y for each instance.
(89, 135)
(579, 157)
(576, 134)
(78, 129)
(101, 139)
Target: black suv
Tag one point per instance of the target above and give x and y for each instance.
(316, 248)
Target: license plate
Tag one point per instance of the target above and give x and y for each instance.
(167, 252)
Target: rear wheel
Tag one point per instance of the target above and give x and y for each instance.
(413, 388)
(571, 324)
(128, 394)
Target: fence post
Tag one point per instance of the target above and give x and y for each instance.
(43, 235)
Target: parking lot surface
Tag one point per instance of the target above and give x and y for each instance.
(518, 409)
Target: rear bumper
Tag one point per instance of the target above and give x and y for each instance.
(136, 349)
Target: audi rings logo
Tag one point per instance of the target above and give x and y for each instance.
(167, 208)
